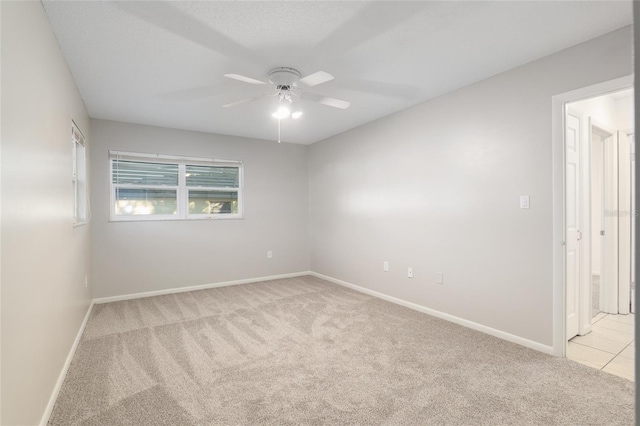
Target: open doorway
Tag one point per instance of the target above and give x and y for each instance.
(599, 219)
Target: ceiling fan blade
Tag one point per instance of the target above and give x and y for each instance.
(169, 17)
(316, 78)
(246, 101)
(380, 88)
(371, 20)
(244, 79)
(325, 100)
(192, 93)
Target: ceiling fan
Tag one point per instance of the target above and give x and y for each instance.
(287, 83)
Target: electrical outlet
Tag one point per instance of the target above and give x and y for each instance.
(269, 254)
(440, 278)
(410, 272)
(385, 266)
(524, 201)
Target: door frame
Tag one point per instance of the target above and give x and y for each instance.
(558, 107)
(632, 135)
(624, 220)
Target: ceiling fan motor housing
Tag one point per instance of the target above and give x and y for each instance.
(284, 76)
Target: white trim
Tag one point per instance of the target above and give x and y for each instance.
(182, 191)
(586, 293)
(78, 129)
(165, 218)
(124, 155)
(558, 241)
(56, 390)
(79, 176)
(100, 300)
(558, 103)
(451, 318)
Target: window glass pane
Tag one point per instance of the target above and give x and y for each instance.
(212, 176)
(213, 202)
(142, 173)
(145, 202)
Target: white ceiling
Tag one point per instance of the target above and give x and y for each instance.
(162, 63)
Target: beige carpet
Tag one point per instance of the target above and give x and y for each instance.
(305, 351)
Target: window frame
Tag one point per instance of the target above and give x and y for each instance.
(182, 190)
(79, 176)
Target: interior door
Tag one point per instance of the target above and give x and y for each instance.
(610, 220)
(597, 211)
(624, 223)
(574, 235)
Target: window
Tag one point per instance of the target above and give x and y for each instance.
(79, 176)
(162, 187)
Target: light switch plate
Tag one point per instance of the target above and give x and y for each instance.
(524, 201)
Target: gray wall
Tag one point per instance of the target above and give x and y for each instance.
(133, 257)
(44, 258)
(437, 187)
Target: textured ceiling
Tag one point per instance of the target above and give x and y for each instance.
(162, 63)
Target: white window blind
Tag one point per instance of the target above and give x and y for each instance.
(142, 173)
(212, 189)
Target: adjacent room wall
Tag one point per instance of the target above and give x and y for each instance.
(44, 258)
(624, 113)
(133, 257)
(602, 109)
(436, 187)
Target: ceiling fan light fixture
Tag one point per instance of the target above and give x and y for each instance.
(281, 113)
(296, 114)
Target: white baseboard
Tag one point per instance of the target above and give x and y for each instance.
(195, 287)
(56, 390)
(451, 318)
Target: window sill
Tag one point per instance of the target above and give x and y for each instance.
(189, 219)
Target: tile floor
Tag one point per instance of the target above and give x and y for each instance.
(609, 347)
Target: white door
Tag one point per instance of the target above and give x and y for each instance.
(610, 220)
(624, 223)
(597, 211)
(572, 191)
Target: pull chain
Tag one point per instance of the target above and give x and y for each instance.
(279, 131)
